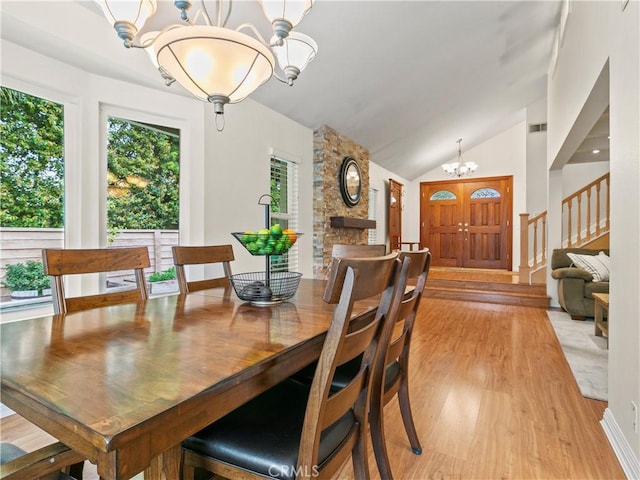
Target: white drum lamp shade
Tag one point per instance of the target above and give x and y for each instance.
(214, 64)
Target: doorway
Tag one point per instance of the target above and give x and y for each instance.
(395, 215)
(467, 223)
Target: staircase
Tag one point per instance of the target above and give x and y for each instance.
(585, 223)
(488, 286)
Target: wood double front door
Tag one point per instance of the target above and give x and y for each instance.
(468, 223)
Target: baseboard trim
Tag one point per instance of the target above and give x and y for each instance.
(627, 458)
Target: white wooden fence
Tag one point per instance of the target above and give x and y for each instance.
(22, 244)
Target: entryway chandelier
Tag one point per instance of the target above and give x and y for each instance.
(213, 62)
(460, 168)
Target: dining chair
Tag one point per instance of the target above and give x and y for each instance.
(46, 463)
(396, 364)
(183, 255)
(343, 250)
(301, 430)
(60, 262)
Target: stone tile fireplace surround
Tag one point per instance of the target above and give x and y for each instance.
(329, 150)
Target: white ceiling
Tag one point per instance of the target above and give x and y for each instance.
(405, 79)
(595, 146)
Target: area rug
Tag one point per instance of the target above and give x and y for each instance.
(586, 354)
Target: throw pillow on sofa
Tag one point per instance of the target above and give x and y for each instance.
(597, 265)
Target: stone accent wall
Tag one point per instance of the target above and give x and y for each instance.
(329, 150)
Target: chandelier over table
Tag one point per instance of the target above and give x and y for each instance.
(215, 63)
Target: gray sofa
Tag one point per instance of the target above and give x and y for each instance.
(575, 285)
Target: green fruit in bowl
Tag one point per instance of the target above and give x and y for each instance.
(276, 231)
(263, 234)
(248, 237)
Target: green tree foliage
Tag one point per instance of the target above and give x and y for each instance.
(31, 161)
(143, 173)
(278, 186)
(143, 168)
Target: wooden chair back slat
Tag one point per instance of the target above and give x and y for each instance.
(201, 255)
(367, 270)
(339, 402)
(395, 348)
(77, 304)
(60, 262)
(356, 342)
(341, 250)
(76, 261)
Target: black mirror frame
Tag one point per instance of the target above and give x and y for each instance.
(349, 199)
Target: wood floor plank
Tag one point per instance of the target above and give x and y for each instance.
(493, 398)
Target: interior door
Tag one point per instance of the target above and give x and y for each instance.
(395, 214)
(467, 223)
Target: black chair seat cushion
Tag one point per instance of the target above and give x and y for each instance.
(344, 374)
(263, 435)
(9, 452)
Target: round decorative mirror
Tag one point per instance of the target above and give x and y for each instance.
(350, 181)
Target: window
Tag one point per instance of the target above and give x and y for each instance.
(373, 233)
(284, 209)
(443, 195)
(486, 193)
(31, 192)
(143, 197)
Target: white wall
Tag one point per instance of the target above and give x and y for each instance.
(580, 60)
(624, 343)
(597, 33)
(576, 176)
(237, 174)
(504, 154)
(536, 159)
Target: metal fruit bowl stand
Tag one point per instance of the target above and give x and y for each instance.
(267, 287)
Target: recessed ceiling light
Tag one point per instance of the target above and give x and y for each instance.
(596, 151)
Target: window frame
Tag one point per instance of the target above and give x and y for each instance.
(284, 262)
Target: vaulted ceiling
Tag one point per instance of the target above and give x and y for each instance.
(405, 79)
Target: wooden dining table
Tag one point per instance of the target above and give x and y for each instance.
(124, 385)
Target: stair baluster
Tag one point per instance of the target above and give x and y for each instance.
(533, 231)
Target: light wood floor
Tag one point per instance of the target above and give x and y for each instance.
(493, 398)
